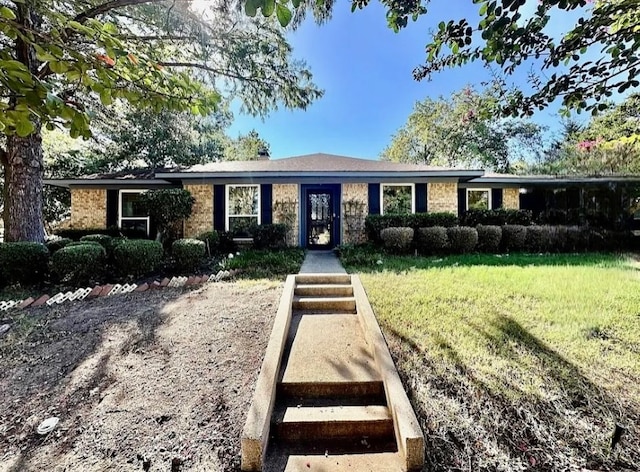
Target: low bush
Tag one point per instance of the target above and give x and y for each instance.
(104, 240)
(497, 217)
(557, 238)
(432, 240)
(538, 238)
(77, 264)
(76, 234)
(272, 264)
(577, 239)
(397, 239)
(489, 238)
(514, 237)
(359, 255)
(24, 263)
(83, 243)
(188, 253)
(137, 257)
(211, 241)
(227, 244)
(374, 224)
(57, 244)
(270, 236)
(462, 239)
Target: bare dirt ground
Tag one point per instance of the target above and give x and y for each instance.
(159, 381)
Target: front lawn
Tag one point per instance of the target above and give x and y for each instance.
(273, 264)
(516, 362)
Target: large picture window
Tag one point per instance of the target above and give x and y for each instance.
(478, 199)
(397, 199)
(132, 217)
(243, 208)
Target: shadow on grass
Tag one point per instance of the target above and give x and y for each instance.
(568, 427)
(378, 262)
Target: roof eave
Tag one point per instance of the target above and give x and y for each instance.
(468, 174)
(107, 182)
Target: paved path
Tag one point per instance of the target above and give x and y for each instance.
(322, 262)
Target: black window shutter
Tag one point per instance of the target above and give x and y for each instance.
(266, 199)
(112, 208)
(462, 201)
(421, 198)
(219, 207)
(496, 198)
(374, 199)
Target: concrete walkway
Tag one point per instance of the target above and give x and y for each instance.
(321, 262)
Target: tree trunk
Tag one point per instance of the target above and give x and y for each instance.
(23, 188)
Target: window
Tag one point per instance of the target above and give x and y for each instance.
(243, 208)
(133, 218)
(478, 199)
(397, 199)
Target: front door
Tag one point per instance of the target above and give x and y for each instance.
(322, 219)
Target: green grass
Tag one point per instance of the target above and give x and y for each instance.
(267, 264)
(524, 349)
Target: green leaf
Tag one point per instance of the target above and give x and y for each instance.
(268, 7)
(105, 97)
(296, 3)
(250, 8)
(7, 13)
(283, 14)
(24, 127)
(483, 9)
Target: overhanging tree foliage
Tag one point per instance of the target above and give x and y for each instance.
(55, 55)
(592, 60)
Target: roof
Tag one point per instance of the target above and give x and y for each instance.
(496, 178)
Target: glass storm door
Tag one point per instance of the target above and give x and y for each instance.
(320, 219)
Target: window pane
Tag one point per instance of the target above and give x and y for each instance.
(478, 199)
(131, 205)
(134, 227)
(397, 199)
(243, 200)
(241, 226)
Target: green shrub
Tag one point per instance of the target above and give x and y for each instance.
(227, 244)
(76, 234)
(359, 255)
(137, 257)
(397, 239)
(497, 217)
(557, 238)
(167, 207)
(211, 241)
(432, 240)
(23, 262)
(489, 238)
(78, 263)
(514, 237)
(104, 240)
(270, 236)
(188, 253)
(83, 243)
(57, 244)
(538, 238)
(462, 239)
(374, 224)
(577, 239)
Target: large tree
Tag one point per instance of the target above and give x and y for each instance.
(462, 131)
(588, 62)
(55, 55)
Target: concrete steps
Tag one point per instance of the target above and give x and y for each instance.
(329, 401)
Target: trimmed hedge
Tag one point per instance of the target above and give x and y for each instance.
(57, 244)
(77, 264)
(188, 253)
(24, 263)
(489, 238)
(397, 239)
(77, 234)
(462, 239)
(538, 238)
(374, 224)
(514, 237)
(137, 257)
(432, 240)
(497, 217)
(104, 240)
(83, 243)
(270, 236)
(211, 241)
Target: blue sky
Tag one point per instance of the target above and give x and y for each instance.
(365, 70)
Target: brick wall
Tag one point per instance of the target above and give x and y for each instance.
(511, 198)
(285, 207)
(88, 208)
(442, 196)
(201, 218)
(355, 208)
